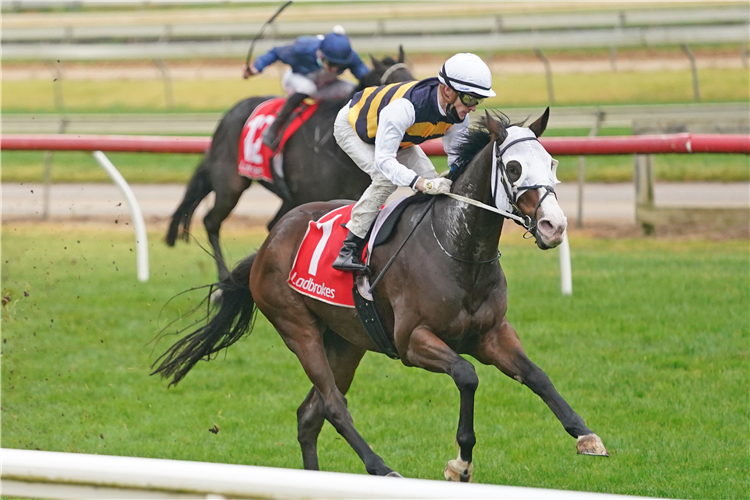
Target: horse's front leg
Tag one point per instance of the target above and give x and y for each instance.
(427, 351)
(502, 348)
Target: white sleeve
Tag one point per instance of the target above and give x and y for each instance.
(394, 119)
(453, 137)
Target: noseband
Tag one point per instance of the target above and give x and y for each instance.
(514, 193)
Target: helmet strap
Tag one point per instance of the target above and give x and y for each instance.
(450, 109)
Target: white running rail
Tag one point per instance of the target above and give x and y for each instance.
(141, 240)
(46, 474)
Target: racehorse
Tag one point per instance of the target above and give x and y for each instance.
(315, 168)
(444, 295)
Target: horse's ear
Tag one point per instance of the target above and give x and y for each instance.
(539, 126)
(376, 64)
(400, 53)
(493, 126)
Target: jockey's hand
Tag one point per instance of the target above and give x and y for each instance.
(435, 186)
(249, 71)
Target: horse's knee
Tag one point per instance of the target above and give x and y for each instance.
(212, 224)
(465, 377)
(336, 411)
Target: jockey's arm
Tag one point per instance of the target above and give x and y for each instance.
(270, 57)
(394, 119)
(358, 68)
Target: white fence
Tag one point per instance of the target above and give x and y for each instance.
(574, 39)
(729, 114)
(45, 474)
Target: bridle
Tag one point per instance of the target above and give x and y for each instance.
(511, 191)
(514, 192)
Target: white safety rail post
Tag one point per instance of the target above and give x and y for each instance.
(566, 274)
(47, 474)
(141, 241)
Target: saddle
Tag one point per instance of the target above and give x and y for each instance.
(255, 159)
(312, 273)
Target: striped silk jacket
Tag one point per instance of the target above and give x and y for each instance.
(430, 123)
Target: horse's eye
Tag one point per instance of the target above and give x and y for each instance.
(514, 170)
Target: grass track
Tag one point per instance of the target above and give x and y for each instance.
(652, 350)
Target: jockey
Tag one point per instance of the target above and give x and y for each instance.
(381, 127)
(314, 62)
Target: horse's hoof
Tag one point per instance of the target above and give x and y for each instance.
(393, 473)
(458, 470)
(591, 444)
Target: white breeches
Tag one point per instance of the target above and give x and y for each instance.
(294, 83)
(363, 154)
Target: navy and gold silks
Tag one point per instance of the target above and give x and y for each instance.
(430, 123)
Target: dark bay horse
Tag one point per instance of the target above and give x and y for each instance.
(315, 168)
(432, 314)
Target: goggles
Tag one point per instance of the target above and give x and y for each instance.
(469, 99)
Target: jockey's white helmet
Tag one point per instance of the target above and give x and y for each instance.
(467, 73)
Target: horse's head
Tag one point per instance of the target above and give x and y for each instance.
(524, 178)
(507, 166)
(386, 71)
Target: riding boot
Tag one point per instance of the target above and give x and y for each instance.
(349, 256)
(270, 138)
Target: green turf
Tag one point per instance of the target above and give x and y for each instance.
(652, 350)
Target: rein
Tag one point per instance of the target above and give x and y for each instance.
(520, 220)
(390, 71)
(524, 220)
(395, 254)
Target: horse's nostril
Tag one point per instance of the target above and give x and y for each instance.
(546, 227)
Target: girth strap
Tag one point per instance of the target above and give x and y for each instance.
(370, 319)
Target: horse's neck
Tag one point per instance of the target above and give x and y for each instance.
(470, 233)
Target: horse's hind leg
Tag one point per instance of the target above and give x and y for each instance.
(427, 351)
(343, 358)
(302, 334)
(503, 349)
(228, 193)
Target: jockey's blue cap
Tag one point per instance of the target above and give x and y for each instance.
(336, 49)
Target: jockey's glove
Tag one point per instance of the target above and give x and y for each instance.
(437, 186)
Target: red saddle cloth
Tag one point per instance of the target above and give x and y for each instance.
(312, 274)
(255, 157)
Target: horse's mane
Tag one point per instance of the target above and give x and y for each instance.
(476, 139)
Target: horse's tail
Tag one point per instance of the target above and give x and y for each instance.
(233, 319)
(198, 188)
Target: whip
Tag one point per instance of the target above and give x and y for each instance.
(262, 29)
